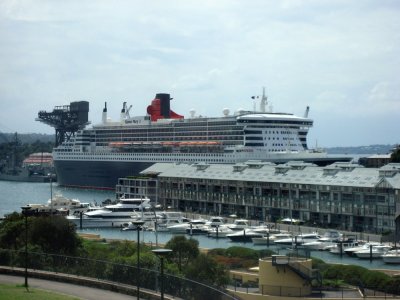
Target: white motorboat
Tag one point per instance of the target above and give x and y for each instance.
(239, 225)
(215, 221)
(181, 228)
(201, 228)
(169, 218)
(392, 257)
(374, 251)
(299, 239)
(342, 245)
(243, 236)
(272, 238)
(164, 225)
(114, 215)
(326, 241)
(361, 246)
(220, 231)
(60, 204)
(263, 229)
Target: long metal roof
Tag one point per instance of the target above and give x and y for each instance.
(337, 174)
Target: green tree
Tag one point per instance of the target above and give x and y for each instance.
(54, 234)
(206, 270)
(51, 234)
(395, 157)
(183, 250)
(10, 231)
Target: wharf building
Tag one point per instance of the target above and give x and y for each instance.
(341, 195)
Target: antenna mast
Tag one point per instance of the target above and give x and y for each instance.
(264, 101)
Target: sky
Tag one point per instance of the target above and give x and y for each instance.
(339, 57)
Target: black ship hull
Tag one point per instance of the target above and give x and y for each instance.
(101, 175)
(105, 174)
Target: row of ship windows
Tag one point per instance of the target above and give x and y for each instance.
(148, 154)
(216, 138)
(185, 139)
(170, 134)
(156, 159)
(260, 138)
(273, 132)
(274, 122)
(167, 130)
(282, 146)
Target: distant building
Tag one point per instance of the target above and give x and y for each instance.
(375, 161)
(40, 159)
(342, 195)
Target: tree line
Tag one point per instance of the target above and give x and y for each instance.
(13, 150)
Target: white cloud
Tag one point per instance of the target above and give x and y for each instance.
(340, 57)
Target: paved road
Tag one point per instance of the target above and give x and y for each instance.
(82, 292)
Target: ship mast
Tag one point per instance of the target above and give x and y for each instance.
(264, 101)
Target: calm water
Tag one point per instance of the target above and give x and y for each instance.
(13, 195)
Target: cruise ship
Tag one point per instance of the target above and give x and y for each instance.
(97, 157)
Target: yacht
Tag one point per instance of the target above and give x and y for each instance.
(361, 246)
(374, 251)
(392, 256)
(239, 224)
(114, 215)
(264, 240)
(299, 239)
(63, 205)
(327, 240)
(220, 231)
(244, 236)
(181, 228)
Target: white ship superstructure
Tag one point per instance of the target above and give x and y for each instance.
(97, 157)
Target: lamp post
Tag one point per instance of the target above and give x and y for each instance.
(25, 210)
(162, 253)
(139, 226)
(51, 192)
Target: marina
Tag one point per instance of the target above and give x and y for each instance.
(17, 194)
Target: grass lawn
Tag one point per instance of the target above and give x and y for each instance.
(18, 292)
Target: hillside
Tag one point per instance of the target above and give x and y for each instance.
(371, 149)
(29, 138)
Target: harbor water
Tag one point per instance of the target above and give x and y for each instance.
(14, 195)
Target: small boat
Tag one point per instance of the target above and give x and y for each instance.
(326, 241)
(374, 251)
(392, 256)
(299, 239)
(132, 226)
(272, 238)
(181, 228)
(215, 221)
(220, 231)
(361, 246)
(195, 229)
(342, 245)
(164, 224)
(243, 236)
(239, 224)
(264, 229)
(62, 205)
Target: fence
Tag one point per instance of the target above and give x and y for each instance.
(119, 273)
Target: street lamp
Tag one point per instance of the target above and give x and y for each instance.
(25, 210)
(139, 226)
(162, 253)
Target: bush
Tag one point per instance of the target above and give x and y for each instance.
(359, 276)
